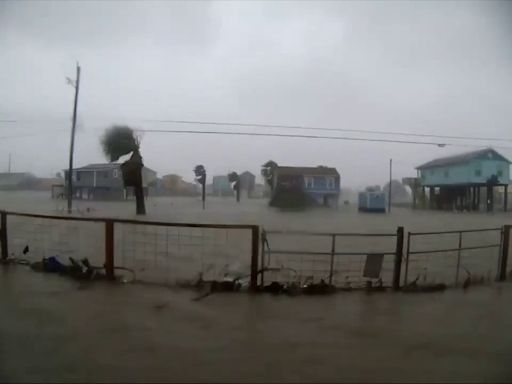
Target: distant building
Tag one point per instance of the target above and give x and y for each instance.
(17, 181)
(456, 182)
(175, 185)
(399, 193)
(47, 183)
(221, 186)
(414, 184)
(260, 191)
(321, 184)
(247, 183)
(105, 181)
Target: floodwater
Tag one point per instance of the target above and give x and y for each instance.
(170, 255)
(53, 329)
(256, 211)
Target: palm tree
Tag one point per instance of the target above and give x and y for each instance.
(200, 173)
(268, 172)
(120, 140)
(234, 179)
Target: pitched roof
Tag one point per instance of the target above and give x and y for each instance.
(220, 177)
(309, 171)
(98, 166)
(247, 173)
(102, 167)
(463, 158)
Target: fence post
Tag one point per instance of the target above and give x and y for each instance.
(458, 260)
(109, 249)
(407, 257)
(504, 253)
(262, 266)
(255, 243)
(3, 235)
(333, 251)
(398, 257)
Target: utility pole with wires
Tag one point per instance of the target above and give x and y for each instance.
(390, 180)
(76, 85)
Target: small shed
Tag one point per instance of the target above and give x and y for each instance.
(372, 201)
(247, 183)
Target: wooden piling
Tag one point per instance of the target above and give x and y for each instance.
(3, 235)
(398, 258)
(109, 249)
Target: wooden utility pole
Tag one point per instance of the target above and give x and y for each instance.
(72, 145)
(389, 189)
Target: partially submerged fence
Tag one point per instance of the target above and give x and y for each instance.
(341, 259)
(174, 253)
(451, 257)
(168, 253)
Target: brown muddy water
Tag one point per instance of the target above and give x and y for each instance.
(55, 329)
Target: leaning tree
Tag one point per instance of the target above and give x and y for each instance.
(234, 179)
(268, 172)
(200, 173)
(120, 140)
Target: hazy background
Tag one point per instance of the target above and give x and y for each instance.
(421, 67)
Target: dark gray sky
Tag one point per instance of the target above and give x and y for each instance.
(420, 66)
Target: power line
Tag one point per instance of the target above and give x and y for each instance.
(30, 134)
(282, 135)
(290, 136)
(303, 127)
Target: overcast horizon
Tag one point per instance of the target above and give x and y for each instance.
(442, 68)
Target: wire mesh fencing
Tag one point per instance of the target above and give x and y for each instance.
(453, 257)
(34, 238)
(342, 259)
(157, 252)
(180, 254)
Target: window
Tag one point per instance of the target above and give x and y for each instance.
(447, 173)
(103, 174)
(116, 174)
(309, 182)
(478, 172)
(330, 183)
(432, 171)
(499, 170)
(77, 175)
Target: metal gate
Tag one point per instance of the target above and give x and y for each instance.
(340, 259)
(449, 257)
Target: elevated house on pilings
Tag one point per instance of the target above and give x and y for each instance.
(466, 181)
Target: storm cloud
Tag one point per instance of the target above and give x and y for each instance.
(420, 67)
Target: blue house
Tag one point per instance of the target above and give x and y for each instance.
(455, 182)
(321, 184)
(221, 186)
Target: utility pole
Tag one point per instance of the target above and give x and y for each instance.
(76, 85)
(389, 189)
